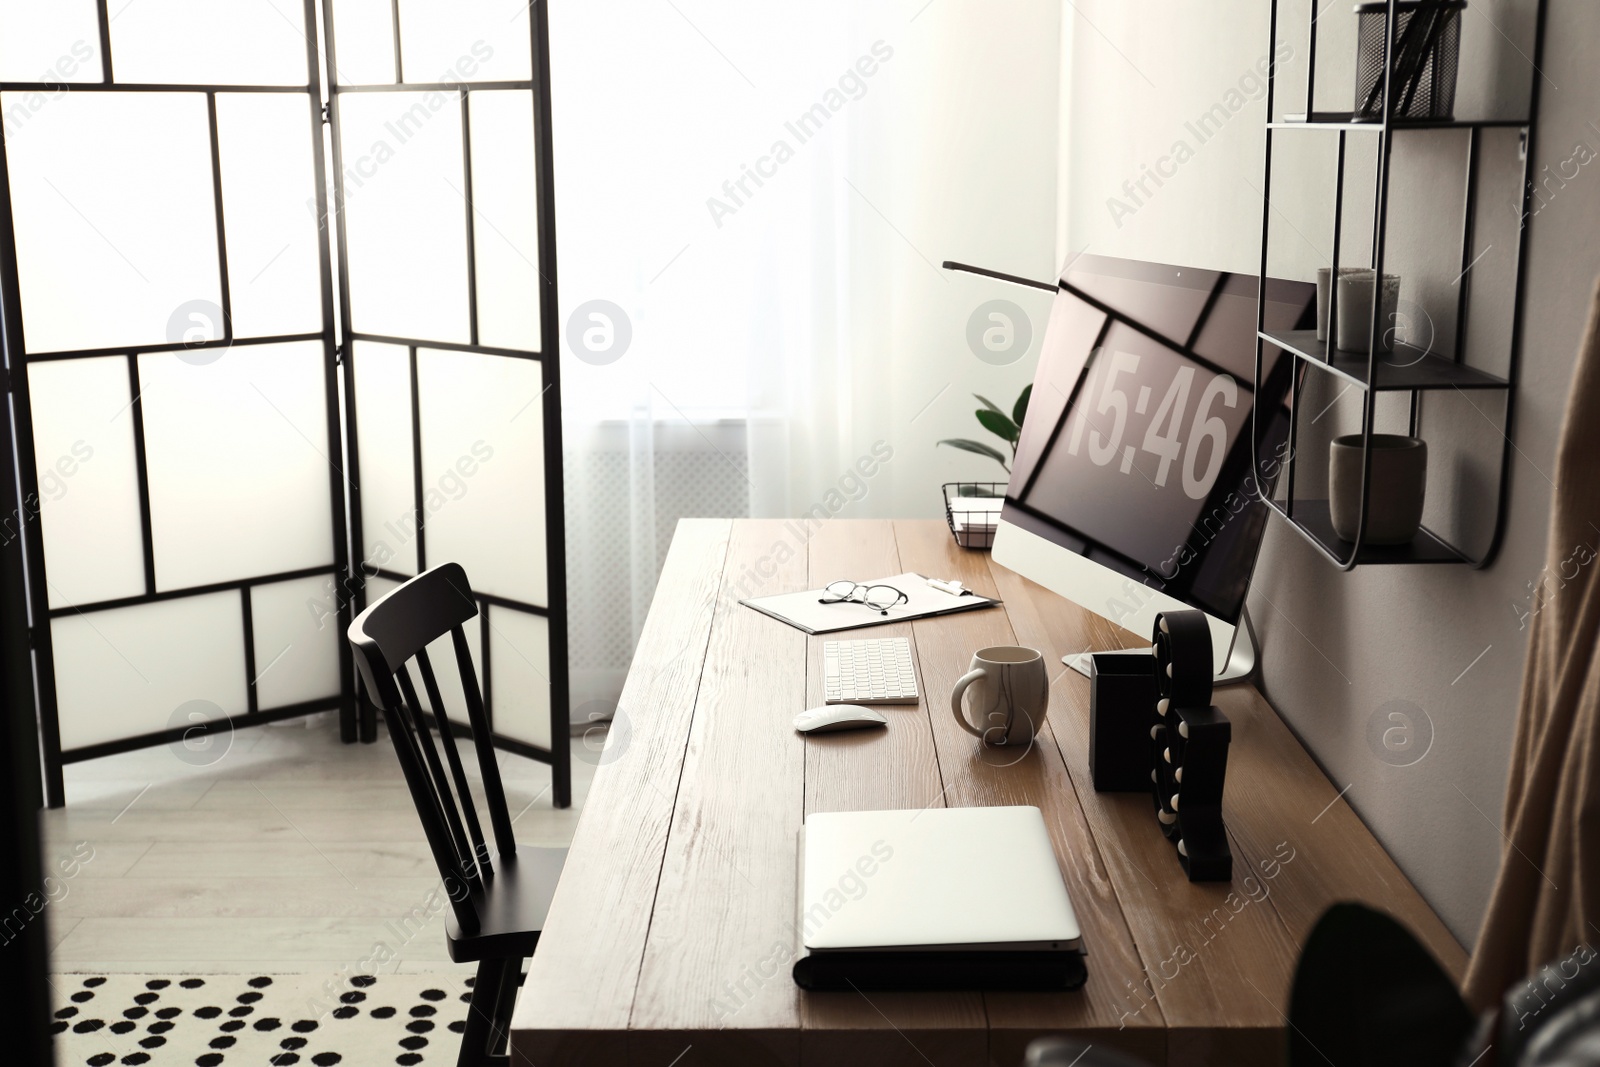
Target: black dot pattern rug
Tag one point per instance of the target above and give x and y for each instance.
(281, 1020)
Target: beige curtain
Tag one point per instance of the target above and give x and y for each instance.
(1546, 900)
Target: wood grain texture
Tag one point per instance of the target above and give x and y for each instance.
(1216, 958)
(722, 932)
(586, 970)
(673, 932)
(976, 774)
(878, 770)
(1338, 859)
(1239, 936)
(243, 865)
(155, 943)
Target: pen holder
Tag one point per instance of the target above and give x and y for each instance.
(1122, 702)
(1427, 50)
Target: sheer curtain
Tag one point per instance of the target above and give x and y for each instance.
(753, 202)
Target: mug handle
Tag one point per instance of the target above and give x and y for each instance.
(959, 691)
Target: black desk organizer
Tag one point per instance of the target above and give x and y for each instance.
(1122, 712)
(1152, 726)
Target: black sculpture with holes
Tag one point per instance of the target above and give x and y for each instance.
(1190, 749)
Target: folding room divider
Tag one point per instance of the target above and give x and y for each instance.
(250, 390)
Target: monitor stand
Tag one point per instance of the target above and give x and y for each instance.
(1241, 655)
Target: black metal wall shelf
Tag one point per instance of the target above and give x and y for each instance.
(1346, 120)
(1315, 519)
(1406, 369)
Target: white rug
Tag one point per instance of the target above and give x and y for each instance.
(227, 1020)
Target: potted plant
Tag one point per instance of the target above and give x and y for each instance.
(974, 524)
(1006, 427)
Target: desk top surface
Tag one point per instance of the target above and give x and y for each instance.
(671, 934)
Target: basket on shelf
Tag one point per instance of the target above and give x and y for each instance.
(973, 509)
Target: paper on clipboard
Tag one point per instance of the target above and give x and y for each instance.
(804, 612)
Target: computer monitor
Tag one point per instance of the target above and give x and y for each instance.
(1132, 492)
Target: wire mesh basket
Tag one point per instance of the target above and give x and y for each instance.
(1427, 50)
(973, 510)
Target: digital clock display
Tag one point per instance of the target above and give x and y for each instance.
(1136, 448)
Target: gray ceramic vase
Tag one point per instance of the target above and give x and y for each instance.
(1394, 501)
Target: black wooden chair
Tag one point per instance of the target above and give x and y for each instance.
(496, 911)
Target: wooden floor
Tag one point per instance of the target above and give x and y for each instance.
(291, 853)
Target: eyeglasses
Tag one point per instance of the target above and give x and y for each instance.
(880, 598)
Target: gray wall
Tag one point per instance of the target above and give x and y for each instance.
(1343, 653)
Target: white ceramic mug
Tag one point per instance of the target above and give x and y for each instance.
(1010, 694)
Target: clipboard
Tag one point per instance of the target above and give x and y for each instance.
(803, 612)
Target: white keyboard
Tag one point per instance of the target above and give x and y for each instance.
(874, 671)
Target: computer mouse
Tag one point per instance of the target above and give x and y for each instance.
(832, 717)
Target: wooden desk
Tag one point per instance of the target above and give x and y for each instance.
(671, 935)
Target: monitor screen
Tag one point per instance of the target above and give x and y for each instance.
(1135, 451)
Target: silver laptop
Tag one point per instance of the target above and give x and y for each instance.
(936, 880)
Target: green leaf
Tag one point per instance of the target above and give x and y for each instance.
(1020, 411)
(990, 404)
(998, 425)
(977, 447)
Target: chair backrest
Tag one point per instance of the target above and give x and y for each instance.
(390, 638)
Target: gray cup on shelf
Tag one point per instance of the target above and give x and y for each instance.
(1324, 296)
(1354, 326)
(1395, 493)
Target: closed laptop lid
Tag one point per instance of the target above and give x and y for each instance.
(938, 877)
